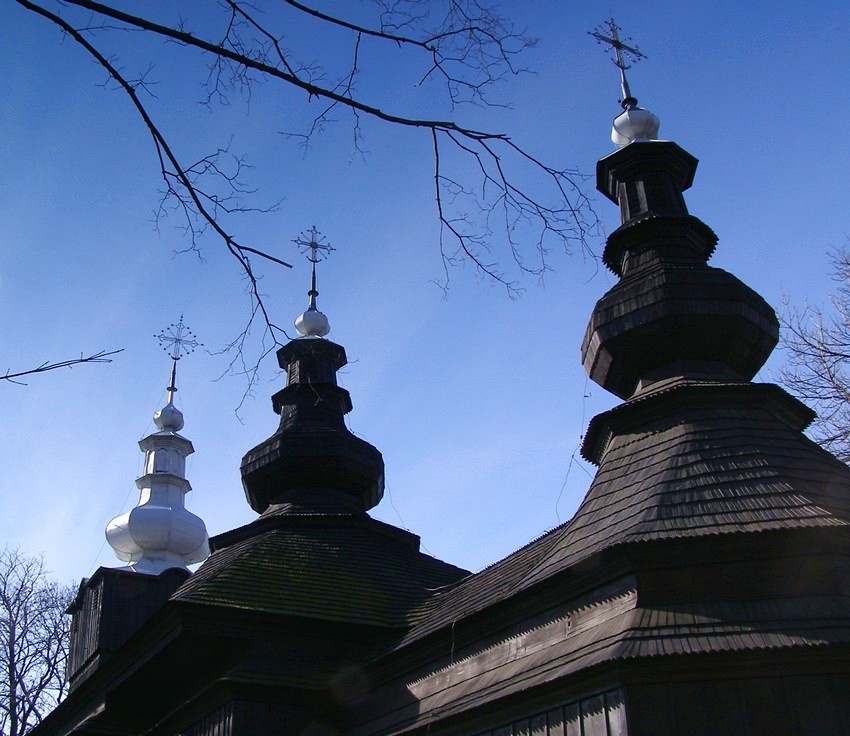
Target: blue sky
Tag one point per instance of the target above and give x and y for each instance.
(477, 401)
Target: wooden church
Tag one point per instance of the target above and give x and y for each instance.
(702, 587)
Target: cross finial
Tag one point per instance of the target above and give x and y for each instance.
(178, 340)
(313, 245)
(622, 53)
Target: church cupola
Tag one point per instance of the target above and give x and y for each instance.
(671, 313)
(159, 533)
(313, 459)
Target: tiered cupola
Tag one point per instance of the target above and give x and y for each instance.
(159, 533)
(670, 313)
(696, 448)
(713, 527)
(313, 459)
(669, 306)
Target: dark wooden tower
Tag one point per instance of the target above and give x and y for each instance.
(703, 586)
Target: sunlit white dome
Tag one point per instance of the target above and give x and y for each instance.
(634, 124)
(312, 323)
(169, 418)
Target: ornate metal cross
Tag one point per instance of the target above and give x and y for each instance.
(622, 53)
(313, 245)
(178, 339)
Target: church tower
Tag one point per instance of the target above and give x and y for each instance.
(160, 533)
(312, 460)
(157, 539)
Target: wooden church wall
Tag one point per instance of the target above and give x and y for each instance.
(798, 705)
(249, 718)
(603, 714)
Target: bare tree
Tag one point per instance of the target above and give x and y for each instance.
(817, 367)
(456, 50)
(33, 642)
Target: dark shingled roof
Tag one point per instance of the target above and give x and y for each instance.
(615, 627)
(343, 567)
(714, 626)
(708, 462)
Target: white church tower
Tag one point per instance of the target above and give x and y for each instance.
(159, 533)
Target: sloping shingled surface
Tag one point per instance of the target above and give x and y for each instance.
(335, 572)
(697, 471)
(709, 472)
(629, 632)
(739, 625)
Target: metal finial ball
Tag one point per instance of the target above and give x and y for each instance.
(169, 418)
(312, 323)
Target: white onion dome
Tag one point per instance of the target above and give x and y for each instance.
(312, 323)
(634, 124)
(159, 533)
(169, 418)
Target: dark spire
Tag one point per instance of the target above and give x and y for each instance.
(313, 460)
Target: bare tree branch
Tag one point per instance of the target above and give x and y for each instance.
(100, 357)
(464, 45)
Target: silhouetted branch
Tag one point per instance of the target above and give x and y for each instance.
(101, 357)
(465, 45)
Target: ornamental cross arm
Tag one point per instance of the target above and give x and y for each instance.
(178, 340)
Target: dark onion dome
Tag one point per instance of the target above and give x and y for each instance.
(312, 454)
(669, 305)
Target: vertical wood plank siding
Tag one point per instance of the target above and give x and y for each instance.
(603, 714)
(217, 723)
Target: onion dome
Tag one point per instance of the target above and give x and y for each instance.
(634, 124)
(159, 534)
(313, 459)
(670, 308)
(169, 418)
(312, 453)
(312, 323)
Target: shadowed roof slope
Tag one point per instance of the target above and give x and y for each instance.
(335, 567)
(709, 471)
